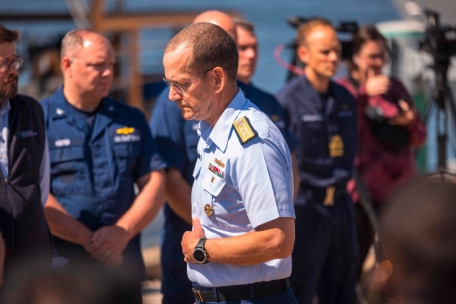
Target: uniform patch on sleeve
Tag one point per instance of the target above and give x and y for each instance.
(244, 129)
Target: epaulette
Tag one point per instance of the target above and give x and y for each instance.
(244, 129)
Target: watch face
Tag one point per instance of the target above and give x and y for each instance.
(199, 255)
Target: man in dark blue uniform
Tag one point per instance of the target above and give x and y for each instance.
(322, 115)
(248, 58)
(99, 148)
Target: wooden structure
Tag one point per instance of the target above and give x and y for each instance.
(129, 23)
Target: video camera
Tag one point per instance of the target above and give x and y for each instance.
(439, 41)
(344, 27)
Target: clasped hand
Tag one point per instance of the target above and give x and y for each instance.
(107, 244)
(190, 239)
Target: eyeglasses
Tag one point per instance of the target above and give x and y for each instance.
(177, 86)
(5, 65)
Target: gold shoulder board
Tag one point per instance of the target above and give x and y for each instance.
(244, 129)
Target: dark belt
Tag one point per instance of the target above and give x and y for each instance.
(240, 292)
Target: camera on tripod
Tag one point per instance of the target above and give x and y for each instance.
(439, 41)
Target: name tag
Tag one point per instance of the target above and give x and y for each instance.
(312, 117)
(127, 138)
(62, 142)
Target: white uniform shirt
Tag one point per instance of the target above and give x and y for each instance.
(245, 186)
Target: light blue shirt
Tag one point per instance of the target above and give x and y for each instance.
(246, 185)
(45, 166)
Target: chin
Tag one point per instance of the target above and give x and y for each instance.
(187, 115)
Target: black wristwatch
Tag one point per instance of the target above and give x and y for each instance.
(199, 253)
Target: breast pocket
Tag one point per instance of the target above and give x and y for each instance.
(67, 166)
(214, 204)
(127, 155)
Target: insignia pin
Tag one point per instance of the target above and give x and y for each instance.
(212, 179)
(208, 209)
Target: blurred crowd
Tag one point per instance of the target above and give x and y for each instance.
(83, 174)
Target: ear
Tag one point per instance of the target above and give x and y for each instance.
(65, 65)
(219, 79)
(303, 53)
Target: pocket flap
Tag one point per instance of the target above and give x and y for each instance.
(127, 150)
(213, 184)
(66, 154)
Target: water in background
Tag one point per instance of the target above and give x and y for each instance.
(269, 17)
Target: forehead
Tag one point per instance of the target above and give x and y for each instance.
(245, 37)
(372, 46)
(7, 49)
(95, 47)
(322, 35)
(176, 63)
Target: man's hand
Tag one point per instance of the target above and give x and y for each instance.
(108, 242)
(376, 84)
(190, 239)
(405, 118)
(113, 259)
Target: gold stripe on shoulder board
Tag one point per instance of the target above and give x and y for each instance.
(244, 129)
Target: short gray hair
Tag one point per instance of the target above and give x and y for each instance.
(73, 40)
(211, 47)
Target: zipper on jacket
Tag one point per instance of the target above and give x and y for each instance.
(10, 207)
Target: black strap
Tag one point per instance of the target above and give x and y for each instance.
(241, 292)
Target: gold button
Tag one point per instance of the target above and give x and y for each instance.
(208, 209)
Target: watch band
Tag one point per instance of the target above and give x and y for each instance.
(199, 249)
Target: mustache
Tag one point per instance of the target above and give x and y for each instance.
(10, 79)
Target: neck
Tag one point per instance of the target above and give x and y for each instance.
(245, 80)
(225, 98)
(80, 101)
(319, 83)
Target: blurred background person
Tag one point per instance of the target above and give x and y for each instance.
(417, 237)
(247, 43)
(24, 165)
(322, 115)
(2, 258)
(389, 129)
(100, 148)
(79, 283)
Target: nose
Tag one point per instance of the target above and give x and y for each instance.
(107, 71)
(334, 56)
(251, 53)
(173, 95)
